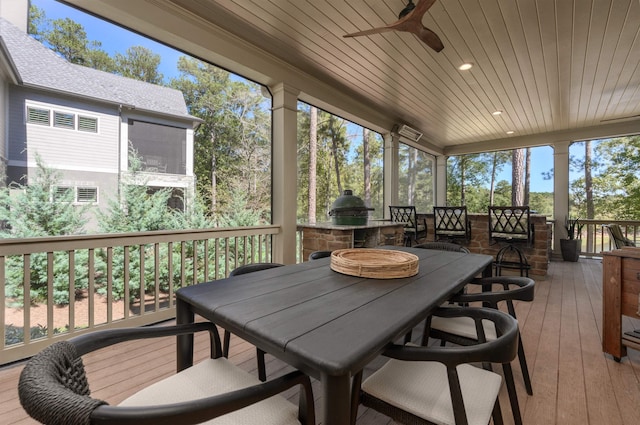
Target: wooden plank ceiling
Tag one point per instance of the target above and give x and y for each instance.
(550, 66)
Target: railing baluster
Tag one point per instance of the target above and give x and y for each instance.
(72, 290)
(109, 284)
(26, 297)
(92, 289)
(171, 302)
(141, 280)
(126, 259)
(3, 301)
(50, 303)
(156, 263)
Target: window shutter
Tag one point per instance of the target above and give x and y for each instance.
(64, 120)
(88, 124)
(87, 194)
(38, 116)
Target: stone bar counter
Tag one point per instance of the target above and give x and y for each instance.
(329, 236)
(537, 255)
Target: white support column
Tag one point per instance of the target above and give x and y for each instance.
(284, 171)
(390, 171)
(441, 181)
(561, 191)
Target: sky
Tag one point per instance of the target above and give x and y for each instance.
(115, 39)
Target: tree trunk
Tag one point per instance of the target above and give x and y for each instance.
(588, 188)
(214, 182)
(313, 158)
(411, 183)
(367, 167)
(492, 187)
(517, 173)
(334, 151)
(463, 163)
(527, 176)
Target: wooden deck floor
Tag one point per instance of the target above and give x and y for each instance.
(573, 381)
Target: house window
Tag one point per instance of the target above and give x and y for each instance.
(87, 194)
(63, 194)
(88, 124)
(64, 120)
(162, 148)
(38, 116)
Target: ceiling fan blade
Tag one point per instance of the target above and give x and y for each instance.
(411, 22)
(420, 9)
(369, 32)
(430, 38)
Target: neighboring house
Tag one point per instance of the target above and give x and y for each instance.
(80, 121)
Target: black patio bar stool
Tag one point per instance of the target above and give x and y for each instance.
(511, 226)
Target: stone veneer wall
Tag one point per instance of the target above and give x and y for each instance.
(538, 254)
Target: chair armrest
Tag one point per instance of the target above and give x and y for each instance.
(501, 350)
(201, 410)
(524, 290)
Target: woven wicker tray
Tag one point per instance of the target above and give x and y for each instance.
(374, 263)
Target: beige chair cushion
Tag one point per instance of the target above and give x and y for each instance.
(211, 377)
(463, 326)
(422, 388)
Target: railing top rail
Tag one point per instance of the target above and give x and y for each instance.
(17, 246)
(621, 222)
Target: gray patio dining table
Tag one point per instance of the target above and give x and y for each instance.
(328, 324)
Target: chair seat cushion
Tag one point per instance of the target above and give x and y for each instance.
(211, 377)
(422, 388)
(463, 326)
(509, 236)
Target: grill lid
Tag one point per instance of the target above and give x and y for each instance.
(349, 209)
(348, 203)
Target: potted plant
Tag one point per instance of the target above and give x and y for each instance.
(570, 247)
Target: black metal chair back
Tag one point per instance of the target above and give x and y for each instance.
(414, 229)
(450, 223)
(511, 224)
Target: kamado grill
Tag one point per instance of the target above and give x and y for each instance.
(349, 210)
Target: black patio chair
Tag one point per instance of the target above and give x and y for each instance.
(54, 387)
(511, 226)
(414, 228)
(429, 385)
(451, 224)
(316, 255)
(493, 291)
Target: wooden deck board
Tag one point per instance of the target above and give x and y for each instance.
(573, 381)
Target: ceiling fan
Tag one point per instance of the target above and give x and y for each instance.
(410, 20)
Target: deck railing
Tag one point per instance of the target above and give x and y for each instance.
(58, 287)
(595, 237)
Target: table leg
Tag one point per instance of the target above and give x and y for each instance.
(336, 399)
(184, 343)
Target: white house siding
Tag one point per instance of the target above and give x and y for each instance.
(4, 101)
(58, 147)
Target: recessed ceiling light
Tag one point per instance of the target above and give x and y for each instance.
(465, 66)
(496, 113)
(510, 132)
